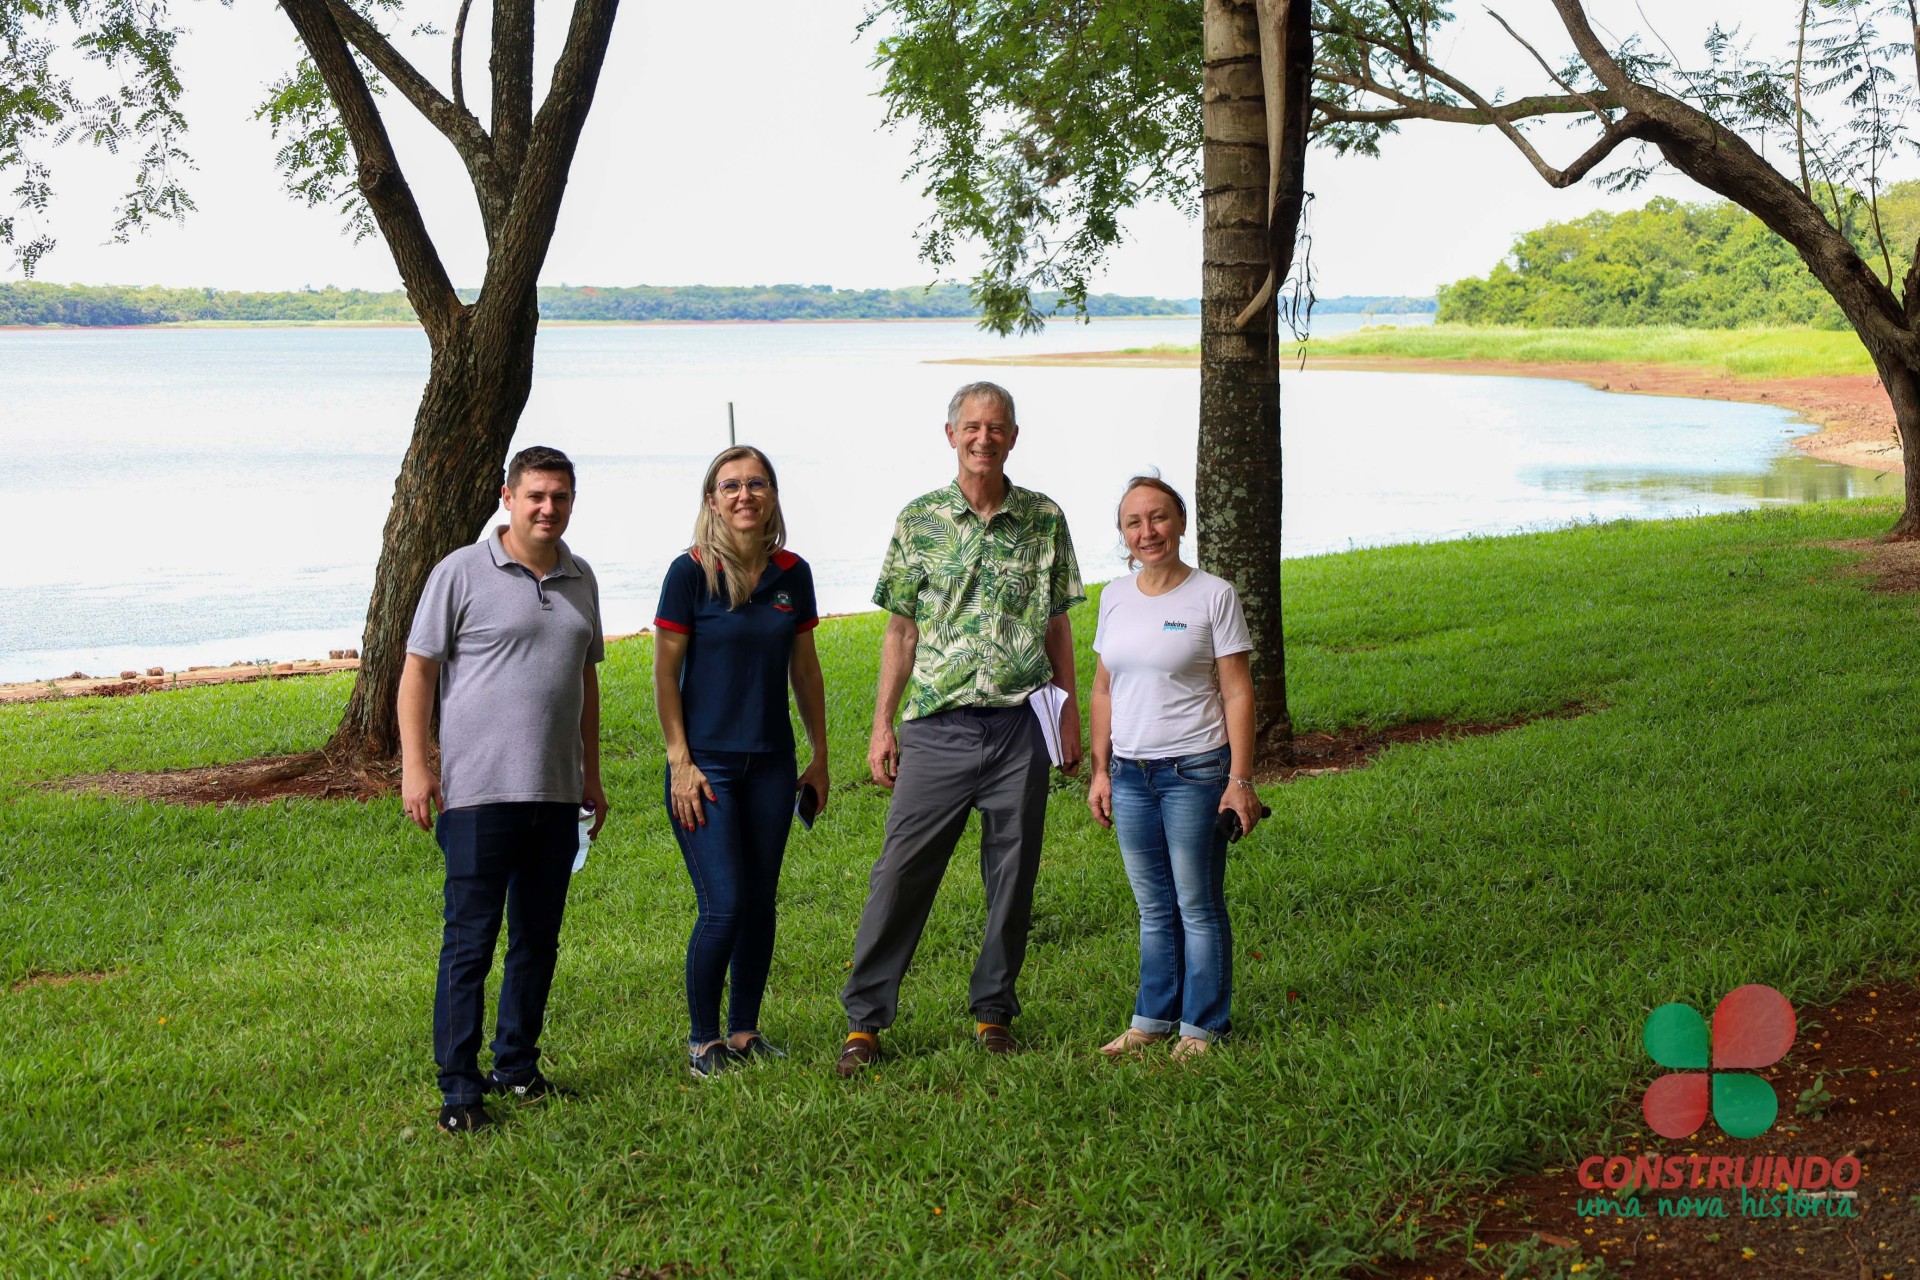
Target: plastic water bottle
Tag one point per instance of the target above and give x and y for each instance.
(586, 840)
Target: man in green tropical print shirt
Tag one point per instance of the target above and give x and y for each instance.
(978, 581)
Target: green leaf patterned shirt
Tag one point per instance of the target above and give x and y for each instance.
(981, 594)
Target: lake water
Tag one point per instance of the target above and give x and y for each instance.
(212, 495)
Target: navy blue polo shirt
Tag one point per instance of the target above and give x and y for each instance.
(733, 682)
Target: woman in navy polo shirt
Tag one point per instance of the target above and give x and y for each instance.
(735, 627)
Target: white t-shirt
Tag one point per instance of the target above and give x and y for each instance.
(1160, 653)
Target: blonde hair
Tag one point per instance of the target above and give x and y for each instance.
(717, 547)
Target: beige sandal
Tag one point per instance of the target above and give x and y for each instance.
(1190, 1047)
(1132, 1040)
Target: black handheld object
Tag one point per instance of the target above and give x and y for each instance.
(1228, 823)
(806, 805)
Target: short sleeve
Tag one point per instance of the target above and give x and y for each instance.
(679, 597)
(1108, 599)
(597, 646)
(436, 618)
(1063, 577)
(1229, 624)
(901, 575)
(806, 610)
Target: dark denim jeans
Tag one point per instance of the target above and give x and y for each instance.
(516, 859)
(734, 862)
(1164, 813)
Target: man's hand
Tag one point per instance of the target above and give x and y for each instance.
(420, 795)
(1070, 737)
(883, 755)
(1100, 798)
(594, 796)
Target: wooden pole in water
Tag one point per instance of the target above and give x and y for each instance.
(731, 439)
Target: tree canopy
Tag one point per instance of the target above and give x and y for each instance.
(1706, 265)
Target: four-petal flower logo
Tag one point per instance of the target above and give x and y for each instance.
(1753, 1027)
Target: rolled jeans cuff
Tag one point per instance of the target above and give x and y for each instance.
(1197, 1033)
(1154, 1026)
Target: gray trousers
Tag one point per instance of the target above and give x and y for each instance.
(990, 759)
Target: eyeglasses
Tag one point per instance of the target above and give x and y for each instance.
(756, 486)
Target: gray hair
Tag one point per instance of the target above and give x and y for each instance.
(988, 390)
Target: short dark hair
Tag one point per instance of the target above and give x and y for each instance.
(539, 458)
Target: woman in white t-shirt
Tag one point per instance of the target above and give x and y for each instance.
(1172, 751)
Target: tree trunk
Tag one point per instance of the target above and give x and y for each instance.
(477, 385)
(1237, 490)
(1902, 382)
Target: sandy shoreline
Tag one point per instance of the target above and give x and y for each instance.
(1852, 413)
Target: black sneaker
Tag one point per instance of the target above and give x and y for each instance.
(716, 1059)
(464, 1117)
(760, 1047)
(535, 1089)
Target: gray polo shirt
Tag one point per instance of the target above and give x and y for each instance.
(513, 650)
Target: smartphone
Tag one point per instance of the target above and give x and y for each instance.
(1228, 823)
(806, 805)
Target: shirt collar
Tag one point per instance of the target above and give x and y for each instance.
(565, 567)
(1014, 507)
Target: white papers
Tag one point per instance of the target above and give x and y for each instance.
(1047, 702)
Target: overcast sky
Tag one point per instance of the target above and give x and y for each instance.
(742, 145)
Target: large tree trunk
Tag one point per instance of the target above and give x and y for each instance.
(477, 385)
(1237, 490)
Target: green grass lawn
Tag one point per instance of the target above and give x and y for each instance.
(1748, 353)
(1443, 961)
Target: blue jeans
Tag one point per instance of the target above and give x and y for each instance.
(734, 861)
(1164, 813)
(516, 859)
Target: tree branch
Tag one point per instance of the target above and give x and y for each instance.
(454, 121)
(1414, 108)
(512, 66)
(380, 178)
(1551, 73)
(513, 264)
(1411, 57)
(1722, 161)
(459, 42)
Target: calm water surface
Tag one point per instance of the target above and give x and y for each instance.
(217, 495)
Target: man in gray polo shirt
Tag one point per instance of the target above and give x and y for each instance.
(509, 631)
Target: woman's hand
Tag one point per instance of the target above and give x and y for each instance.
(815, 776)
(687, 786)
(1100, 797)
(1240, 798)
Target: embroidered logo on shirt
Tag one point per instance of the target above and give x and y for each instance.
(783, 602)
(1173, 626)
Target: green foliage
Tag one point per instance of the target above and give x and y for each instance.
(1473, 930)
(43, 105)
(37, 303)
(1040, 122)
(1710, 266)
(315, 160)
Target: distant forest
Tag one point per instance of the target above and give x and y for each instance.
(34, 303)
(90, 306)
(1374, 305)
(1702, 266)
